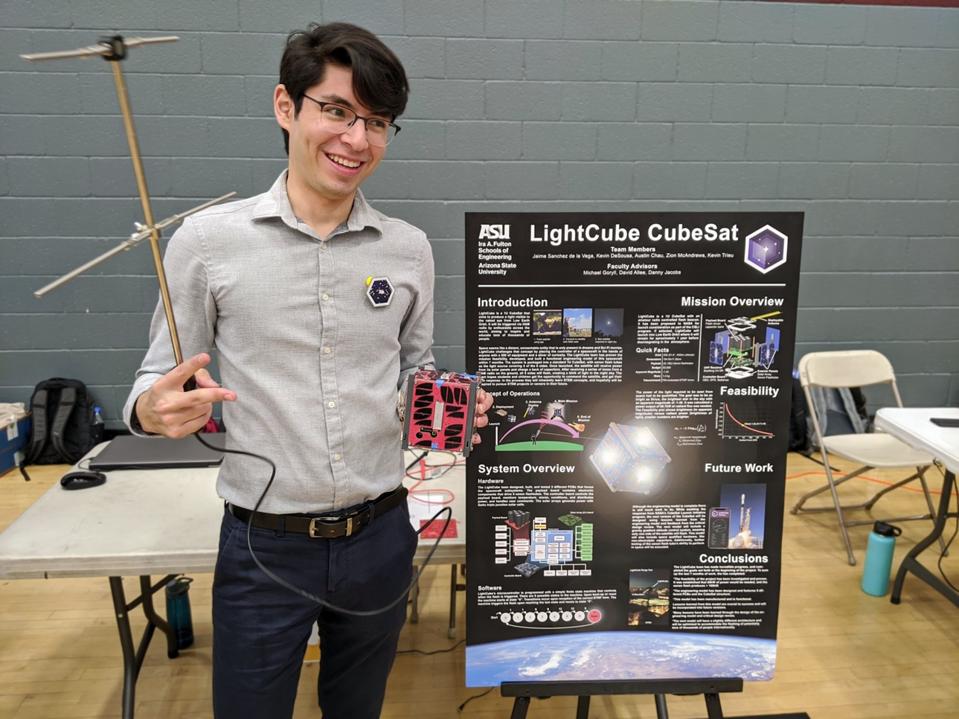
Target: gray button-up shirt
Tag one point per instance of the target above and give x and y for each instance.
(315, 365)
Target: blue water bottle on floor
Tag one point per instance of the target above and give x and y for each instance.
(875, 571)
(178, 611)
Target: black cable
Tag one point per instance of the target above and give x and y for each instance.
(435, 651)
(411, 464)
(302, 592)
(475, 696)
(942, 555)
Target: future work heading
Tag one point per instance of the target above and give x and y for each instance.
(656, 232)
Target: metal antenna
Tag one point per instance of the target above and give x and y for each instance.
(114, 50)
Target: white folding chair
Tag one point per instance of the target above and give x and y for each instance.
(858, 368)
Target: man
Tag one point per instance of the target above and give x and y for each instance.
(311, 367)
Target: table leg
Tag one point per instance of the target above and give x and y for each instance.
(133, 659)
(911, 564)
(154, 619)
(451, 633)
(126, 643)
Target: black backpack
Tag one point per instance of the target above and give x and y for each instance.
(801, 431)
(798, 434)
(62, 430)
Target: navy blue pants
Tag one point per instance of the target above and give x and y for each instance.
(260, 629)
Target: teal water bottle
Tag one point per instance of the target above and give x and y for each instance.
(178, 611)
(875, 571)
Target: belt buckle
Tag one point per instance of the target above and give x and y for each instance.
(312, 531)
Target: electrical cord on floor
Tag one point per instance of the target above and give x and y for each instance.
(302, 592)
(460, 708)
(435, 651)
(811, 458)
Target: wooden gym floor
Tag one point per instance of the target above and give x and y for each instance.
(842, 654)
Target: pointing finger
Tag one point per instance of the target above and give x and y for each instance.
(203, 379)
(211, 394)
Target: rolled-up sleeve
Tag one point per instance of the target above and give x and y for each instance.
(194, 310)
(416, 334)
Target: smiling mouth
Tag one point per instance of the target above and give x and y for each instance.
(344, 162)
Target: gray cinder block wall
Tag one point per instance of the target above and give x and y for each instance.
(848, 112)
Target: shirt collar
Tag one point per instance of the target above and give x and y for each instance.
(276, 203)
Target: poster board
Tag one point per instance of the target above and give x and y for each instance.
(625, 507)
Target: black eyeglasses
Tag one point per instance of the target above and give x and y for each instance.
(338, 118)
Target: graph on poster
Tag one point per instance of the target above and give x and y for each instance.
(733, 423)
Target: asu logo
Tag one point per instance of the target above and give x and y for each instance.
(494, 232)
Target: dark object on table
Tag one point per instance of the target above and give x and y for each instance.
(82, 479)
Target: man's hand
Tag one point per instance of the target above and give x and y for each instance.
(166, 409)
(484, 402)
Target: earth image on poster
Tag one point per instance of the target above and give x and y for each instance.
(598, 656)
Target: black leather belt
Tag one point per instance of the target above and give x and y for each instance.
(324, 526)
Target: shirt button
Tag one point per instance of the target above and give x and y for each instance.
(326, 297)
(331, 404)
(337, 456)
(327, 350)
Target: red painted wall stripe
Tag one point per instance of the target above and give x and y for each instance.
(901, 3)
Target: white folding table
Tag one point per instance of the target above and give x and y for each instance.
(160, 522)
(915, 427)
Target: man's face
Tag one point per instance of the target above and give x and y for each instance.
(329, 164)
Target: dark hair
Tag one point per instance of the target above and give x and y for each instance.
(379, 80)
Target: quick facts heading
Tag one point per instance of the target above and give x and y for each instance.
(656, 232)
